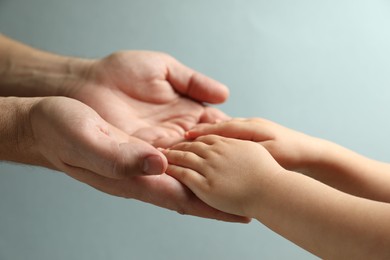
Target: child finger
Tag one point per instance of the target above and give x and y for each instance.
(209, 139)
(223, 128)
(199, 148)
(238, 129)
(192, 179)
(183, 158)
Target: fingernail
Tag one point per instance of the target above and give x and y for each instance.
(153, 165)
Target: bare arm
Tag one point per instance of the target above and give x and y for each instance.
(241, 177)
(322, 160)
(16, 133)
(149, 95)
(329, 223)
(350, 172)
(29, 72)
(66, 135)
(103, 134)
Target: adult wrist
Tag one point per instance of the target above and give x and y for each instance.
(47, 76)
(75, 73)
(29, 72)
(16, 135)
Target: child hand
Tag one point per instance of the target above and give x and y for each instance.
(293, 150)
(227, 174)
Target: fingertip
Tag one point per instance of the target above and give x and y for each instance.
(165, 152)
(209, 90)
(220, 91)
(154, 165)
(162, 150)
(225, 92)
(246, 220)
(194, 84)
(189, 135)
(213, 115)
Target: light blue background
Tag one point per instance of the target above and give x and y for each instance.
(321, 67)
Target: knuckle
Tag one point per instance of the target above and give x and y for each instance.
(187, 157)
(207, 138)
(183, 173)
(119, 169)
(187, 145)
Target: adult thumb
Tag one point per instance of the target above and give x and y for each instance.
(118, 160)
(138, 157)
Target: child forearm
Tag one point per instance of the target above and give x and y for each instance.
(315, 157)
(323, 220)
(350, 172)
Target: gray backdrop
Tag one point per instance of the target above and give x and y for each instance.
(321, 67)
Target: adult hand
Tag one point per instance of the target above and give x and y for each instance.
(141, 93)
(71, 137)
(74, 139)
(148, 95)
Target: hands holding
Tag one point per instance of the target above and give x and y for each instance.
(100, 121)
(230, 164)
(293, 150)
(148, 95)
(243, 177)
(112, 115)
(148, 98)
(249, 177)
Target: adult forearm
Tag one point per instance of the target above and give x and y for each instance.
(323, 220)
(28, 72)
(16, 137)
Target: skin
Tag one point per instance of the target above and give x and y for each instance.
(99, 121)
(322, 160)
(241, 177)
(149, 95)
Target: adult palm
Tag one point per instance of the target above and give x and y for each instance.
(154, 98)
(149, 95)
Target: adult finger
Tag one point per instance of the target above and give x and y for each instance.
(118, 160)
(195, 85)
(161, 190)
(213, 115)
